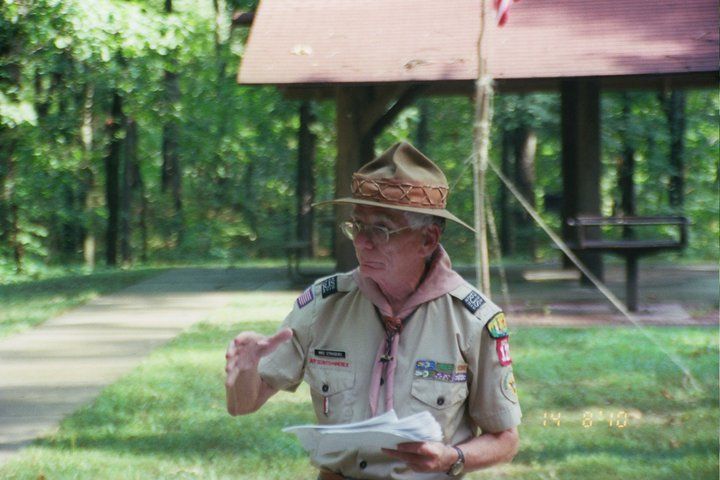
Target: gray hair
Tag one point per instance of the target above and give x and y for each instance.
(417, 221)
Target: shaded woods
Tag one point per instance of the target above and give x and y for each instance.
(124, 138)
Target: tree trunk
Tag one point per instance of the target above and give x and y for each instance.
(507, 217)
(626, 166)
(128, 182)
(10, 77)
(171, 168)
(422, 134)
(674, 107)
(525, 147)
(305, 177)
(113, 126)
(89, 194)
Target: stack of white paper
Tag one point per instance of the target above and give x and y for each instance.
(383, 431)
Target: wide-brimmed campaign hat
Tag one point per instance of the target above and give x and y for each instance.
(401, 178)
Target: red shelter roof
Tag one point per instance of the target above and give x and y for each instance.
(368, 41)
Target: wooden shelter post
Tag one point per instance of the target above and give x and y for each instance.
(361, 114)
(581, 166)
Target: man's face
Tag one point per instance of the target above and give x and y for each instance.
(397, 259)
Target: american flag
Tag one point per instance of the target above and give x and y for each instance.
(502, 7)
(306, 297)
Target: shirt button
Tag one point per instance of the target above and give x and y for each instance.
(363, 465)
(325, 387)
(441, 400)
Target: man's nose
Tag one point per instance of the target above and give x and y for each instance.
(362, 240)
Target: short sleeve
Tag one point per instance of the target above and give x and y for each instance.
(493, 402)
(283, 369)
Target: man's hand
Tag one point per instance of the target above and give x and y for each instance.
(245, 390)
(246, 350)
(424, 456)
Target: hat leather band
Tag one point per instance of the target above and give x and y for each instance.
(395, 193)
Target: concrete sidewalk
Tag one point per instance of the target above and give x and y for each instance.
(52, 370)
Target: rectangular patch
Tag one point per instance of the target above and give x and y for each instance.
(306, 297)
(473, 301)
(329, 286)
(440, 372)
(329, 363)
(502, 346)
(329, 353)
(460, 377)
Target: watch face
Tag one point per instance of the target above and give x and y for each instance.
(457, 468)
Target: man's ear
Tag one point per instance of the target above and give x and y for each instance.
(431, 239)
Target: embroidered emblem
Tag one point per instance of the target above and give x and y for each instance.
(508, 388)
(329, 353)
(441, 372)
(306, 297)
(497, 327)
(503, 351)
(473, 301)
(329, 286)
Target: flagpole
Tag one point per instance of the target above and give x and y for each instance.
(483, 119)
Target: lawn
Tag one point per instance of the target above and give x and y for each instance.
(599, 403)
(27, 302)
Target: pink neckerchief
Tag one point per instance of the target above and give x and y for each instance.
(439, 280)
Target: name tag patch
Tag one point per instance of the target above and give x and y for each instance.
(329, 353)
(441, 372)
(473, 301)
(502, 346)
(325, 357)
(305, 298)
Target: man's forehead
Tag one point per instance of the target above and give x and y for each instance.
(378, 213)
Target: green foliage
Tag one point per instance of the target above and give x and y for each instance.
(237, 145)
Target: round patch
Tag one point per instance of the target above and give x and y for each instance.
(508, 386)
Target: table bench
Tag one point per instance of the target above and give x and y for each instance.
(630, 248)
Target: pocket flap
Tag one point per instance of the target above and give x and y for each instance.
(439, 395)
(328, 382)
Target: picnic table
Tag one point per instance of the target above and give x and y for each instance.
(629, 246)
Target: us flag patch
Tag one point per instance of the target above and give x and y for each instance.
(305, 298)
(473, 301)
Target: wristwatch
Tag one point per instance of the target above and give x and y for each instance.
(456, 468)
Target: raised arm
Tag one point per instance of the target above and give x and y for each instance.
(245, 390)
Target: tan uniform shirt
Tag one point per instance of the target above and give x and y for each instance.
(453, 361)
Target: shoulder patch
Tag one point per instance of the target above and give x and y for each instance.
(497, 326)
(473, 301)
(306, 297)
(329, 286)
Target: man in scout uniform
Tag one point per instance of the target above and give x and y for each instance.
(402, 331)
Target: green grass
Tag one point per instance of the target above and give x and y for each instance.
(167, 418)
(26, 301)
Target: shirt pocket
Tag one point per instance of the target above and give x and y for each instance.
(332, 393)
(439, 395)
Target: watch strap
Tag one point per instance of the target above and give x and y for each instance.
(457, 467)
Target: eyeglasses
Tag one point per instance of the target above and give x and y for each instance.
(376, 233)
